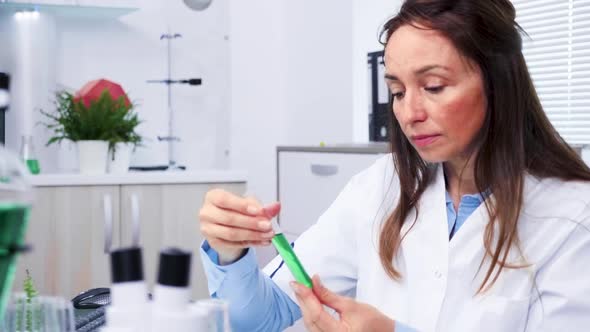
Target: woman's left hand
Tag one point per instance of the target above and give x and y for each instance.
(354, 316)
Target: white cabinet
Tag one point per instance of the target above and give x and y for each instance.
(67, 232)
(310, 180)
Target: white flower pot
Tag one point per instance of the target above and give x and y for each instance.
(92, 156)
(120, 158)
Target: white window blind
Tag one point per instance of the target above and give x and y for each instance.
(557, 53)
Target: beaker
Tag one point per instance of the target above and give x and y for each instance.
(217, 312)
(28, 154)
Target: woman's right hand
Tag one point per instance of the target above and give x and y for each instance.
(231, 223)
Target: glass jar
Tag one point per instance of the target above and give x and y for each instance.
(28, 155)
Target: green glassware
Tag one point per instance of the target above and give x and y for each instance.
(33, 165)
(286, 251)
(28, 154)
(15, 203)
(13, 223)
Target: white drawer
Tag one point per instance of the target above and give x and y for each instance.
(310, 181)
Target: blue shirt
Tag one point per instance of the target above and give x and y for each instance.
(468, 204)
(258, 304)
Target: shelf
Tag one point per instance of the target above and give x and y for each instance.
(203, 176)
(70, 11)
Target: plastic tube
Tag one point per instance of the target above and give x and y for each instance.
(286, 251)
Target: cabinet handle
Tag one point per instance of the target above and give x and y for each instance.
(135, 220)
(108, 222)
(324, 170)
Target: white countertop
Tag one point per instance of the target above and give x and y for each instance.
(158, 177)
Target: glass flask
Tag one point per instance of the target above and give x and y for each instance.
(28, 155)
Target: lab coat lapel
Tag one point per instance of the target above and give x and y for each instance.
(425, 251)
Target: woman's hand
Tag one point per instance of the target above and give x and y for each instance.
(354, 316)
(231, 223)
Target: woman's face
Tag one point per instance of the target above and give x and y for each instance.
(438, 96)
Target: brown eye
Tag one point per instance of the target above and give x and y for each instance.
(397, 95)
(434, 89)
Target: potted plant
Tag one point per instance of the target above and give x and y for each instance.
(97, 118)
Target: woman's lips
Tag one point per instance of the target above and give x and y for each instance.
(424, 140)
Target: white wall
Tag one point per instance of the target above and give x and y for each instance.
(291, 81)
(257, 91)
(317, 42)
(129, 51)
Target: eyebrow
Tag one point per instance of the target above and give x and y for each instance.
(419, 71)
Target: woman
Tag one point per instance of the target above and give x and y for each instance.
(477, 221)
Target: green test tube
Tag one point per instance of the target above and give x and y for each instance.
(286, 251)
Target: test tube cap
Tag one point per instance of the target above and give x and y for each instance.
(126, 265)
(175, 267)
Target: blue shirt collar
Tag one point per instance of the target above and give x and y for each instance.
(471, 199)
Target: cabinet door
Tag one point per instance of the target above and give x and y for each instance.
(310, 181)
(67, 232)
(169, 217)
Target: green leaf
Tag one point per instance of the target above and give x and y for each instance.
(104, 119)
(30, 293)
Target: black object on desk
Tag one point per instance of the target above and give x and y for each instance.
(92, 299)
(88, 320)
(90, 309)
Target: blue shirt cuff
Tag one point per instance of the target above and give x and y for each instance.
(401, 327)
(216, 273)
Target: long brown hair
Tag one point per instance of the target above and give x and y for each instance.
(516, 137)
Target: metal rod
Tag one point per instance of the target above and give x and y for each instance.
(171, 161)
(171, 139)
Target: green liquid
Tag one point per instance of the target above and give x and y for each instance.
(284, 248)
(33, 165)
(13, 225)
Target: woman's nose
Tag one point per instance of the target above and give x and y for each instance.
(411, 108)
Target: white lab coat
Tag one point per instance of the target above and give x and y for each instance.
(440, 279)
